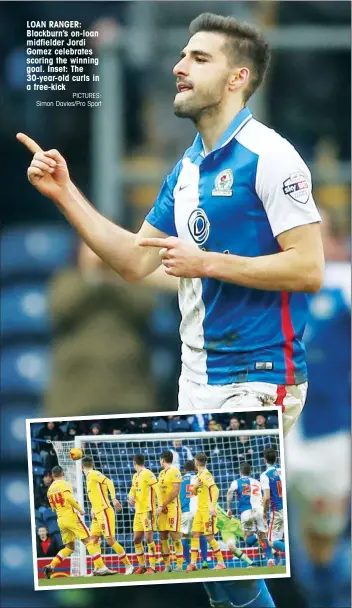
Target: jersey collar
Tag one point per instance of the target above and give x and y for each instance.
(239, 121)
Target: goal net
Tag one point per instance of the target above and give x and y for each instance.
(113, 456)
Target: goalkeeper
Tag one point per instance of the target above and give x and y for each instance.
(229, 528)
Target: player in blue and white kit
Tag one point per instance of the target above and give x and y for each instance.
(271, 484)
(250, 506)
(235, 220)
(189, 507)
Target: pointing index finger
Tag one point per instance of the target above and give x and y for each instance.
(155, 242)
(29, 143)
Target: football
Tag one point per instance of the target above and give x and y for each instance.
(76, 454)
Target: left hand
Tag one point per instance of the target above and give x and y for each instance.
(116, 504)
(198, 484)
(180, 259)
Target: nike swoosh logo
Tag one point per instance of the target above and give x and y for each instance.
(183, 187)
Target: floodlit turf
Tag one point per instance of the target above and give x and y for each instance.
(161, 576)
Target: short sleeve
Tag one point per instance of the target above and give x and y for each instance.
(264, 482)
(162, 215)
(176, 477)
(208, 480)
(234, 486)
(151, 479)
(284, 186)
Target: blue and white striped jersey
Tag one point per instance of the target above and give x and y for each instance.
(185, 494)
(271, 480)
(236, 199)
(249, 493)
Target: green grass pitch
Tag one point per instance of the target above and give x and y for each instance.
(161, 576)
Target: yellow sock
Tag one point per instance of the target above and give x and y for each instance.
(214, 545)
(179, 552)
(65, 552)
(165, 551)
(151, 554)
(195, 544)
(94, 551)
(121, 553)
(140, 554)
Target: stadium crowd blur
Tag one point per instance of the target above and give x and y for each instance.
(122, 354)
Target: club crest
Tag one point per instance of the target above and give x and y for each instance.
(223, 183)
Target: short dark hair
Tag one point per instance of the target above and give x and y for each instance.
(139, 459)
(244, 44)
(189, 465)
(245, 468)
(270, 455)
(87, 462)
(167, 456)
(201, 458)
(57, 471)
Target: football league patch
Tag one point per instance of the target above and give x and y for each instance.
(296, 186)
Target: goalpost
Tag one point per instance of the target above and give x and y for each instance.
(113, 455)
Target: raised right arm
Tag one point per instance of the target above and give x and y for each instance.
(117, 247)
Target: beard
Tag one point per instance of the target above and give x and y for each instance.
(195, 106)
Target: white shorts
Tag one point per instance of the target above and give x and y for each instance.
(253, 520)
(276, 525)
(186, 522)
(290, 398)
(319, 479)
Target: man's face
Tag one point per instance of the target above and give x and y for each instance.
(196, 464)
(50, 426)
(234, 424)
(177, 443)
(260, 420)
(202, 75)
(42, 533)
(212, 425)
(95, 430)
(47, 479)
(244, 438)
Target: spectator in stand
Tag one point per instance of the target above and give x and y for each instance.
(235, 424)
(47, 546)
(181, 453)
(95, 428)
(71, 432)
(214, 426)
(41, 492)
(137, 425)
(259, 423)
(199, 422)
(49, 432)
(244, 449)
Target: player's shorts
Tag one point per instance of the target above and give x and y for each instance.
(253, 520)
(71, 528)
(319, 479)
(170, 521)
(186, 522)
(290, 398)
(144, 522)
(276, 525)
(103, 523)
(204, 523)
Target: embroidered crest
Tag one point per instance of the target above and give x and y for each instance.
(223, 183)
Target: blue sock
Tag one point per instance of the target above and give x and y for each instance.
(186, 553)
(267, 549)
(253, 593)
(203, 548)
(251, 540)
(279, 545)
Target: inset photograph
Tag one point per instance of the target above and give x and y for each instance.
(157, 499)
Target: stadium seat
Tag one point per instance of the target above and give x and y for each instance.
(272, 422)
(35, 251)
(38, 523)
(179, 426)
(48, 514)
(14, 493)
(13, 428)
(24, 311)
(52, 526)
(25, 370)
(159, 426)
(38, 471)
(36, 459)
(58, 538)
